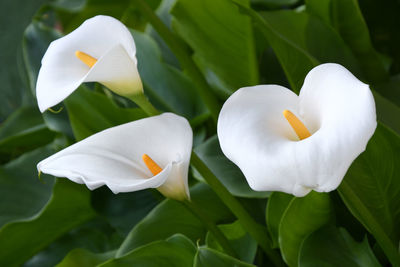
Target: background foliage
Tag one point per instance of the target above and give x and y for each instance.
(234, 43)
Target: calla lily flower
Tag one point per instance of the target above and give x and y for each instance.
(100, 50)
(295, 144)
(149, 153)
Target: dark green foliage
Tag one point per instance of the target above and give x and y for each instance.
(234, 43)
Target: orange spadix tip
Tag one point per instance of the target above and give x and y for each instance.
(85, 58)
(151, 164)
(300, 129)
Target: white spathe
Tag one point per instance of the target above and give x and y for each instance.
(102, 37)
(113, 157)
(337, 109)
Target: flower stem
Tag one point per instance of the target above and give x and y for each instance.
(143, 102)
(373, 226)
(257, 231)
(202, 216)
(181, 52)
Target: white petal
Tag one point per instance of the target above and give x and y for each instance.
(113, 157)
(343, 110)
(176, 186)
(253, 132)
(61, 72)
(54, 84)
(335, 106)
(117, 71)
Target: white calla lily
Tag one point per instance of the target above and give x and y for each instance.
(113, 157)
(337, 109)
(100, 50)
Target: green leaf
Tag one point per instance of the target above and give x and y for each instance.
(276, 207)
(302, 217)
(274, 3)
(37, 38)
(389, 89)
(387, 112)
(14, 19)
(22, 194)
(95, 236)
(73, 13)
(68, 207)
(371, 190)
(243, 244)
(223, 42)
(383, 23)
(172, 216)
(59, 122)
(302, 42)
(167, 87)
(228, 173)
(22, 131)
(163, 12)
(330, 246)
(321, 9)
(350, 22)
(206, 257)
(91, 112)
(83, 257)
(346, 17)
(123, 211)
(176, 251)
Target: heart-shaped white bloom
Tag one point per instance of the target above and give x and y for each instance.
(113, 157)
(103, 38)
(337, 109)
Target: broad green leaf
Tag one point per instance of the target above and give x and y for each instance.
(350, 22)
(73, 13)
(390, 89)
(243, 244)
(95, 236)
(301, 42)
(383, 22)
(310, 38)
(176, 251)
(222, 40)
(163, 12)
(22, 194)
(70, 5)
(59, 122)
(171, 217)
(346, 17)
(123, 211)
(15, 15)
(68, 207)
(387, 112)
(24, 130)
(371, 190)
(168, 88)
(37, 38)
(206, 257)
(331, 246)
(276, 207)
(229, 174)
(302, 217)
(321, 9)
(274, 3)
(83, 257)
(91, 112)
